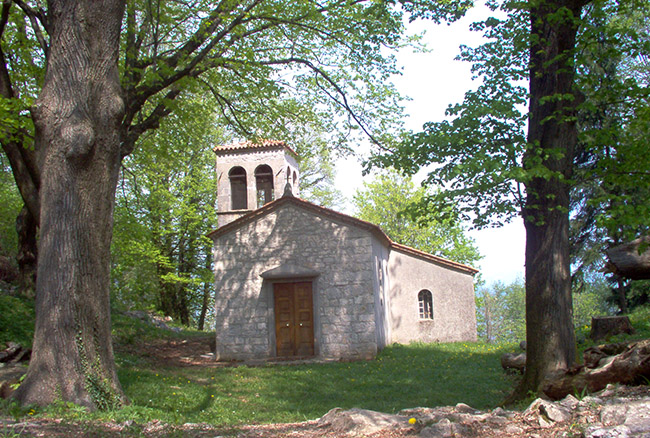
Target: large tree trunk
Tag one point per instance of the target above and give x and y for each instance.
(552, 136)
(77, 119)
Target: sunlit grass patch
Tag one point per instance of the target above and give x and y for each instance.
(402, 376)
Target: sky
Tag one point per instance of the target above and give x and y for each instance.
(434, 80)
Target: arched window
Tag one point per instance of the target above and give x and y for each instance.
(295, 180)
(425, 301)
(264, 184)
(238, 199)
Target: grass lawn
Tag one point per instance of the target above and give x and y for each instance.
(400, 377)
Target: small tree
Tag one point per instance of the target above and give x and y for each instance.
(388, 201)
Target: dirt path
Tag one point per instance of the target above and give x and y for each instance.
(194, 351)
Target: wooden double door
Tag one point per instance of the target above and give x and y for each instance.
(294, 319)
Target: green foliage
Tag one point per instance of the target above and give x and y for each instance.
(390, 200)
(165, 207)
(612, 175)
(640, 320)
(11, 408)
(501, 310)
(127, 330)
(478, 150)
(317, 171)
(10, 205)
(271, 66)
(17, 322)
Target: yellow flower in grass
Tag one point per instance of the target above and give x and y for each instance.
(412, 420)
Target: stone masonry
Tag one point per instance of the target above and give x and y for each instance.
(344, 312)
(280, 158)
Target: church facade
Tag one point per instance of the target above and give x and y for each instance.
(296, 280)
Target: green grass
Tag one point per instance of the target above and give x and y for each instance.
(400, 377)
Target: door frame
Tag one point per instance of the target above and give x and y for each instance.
(294, 336)
(269, 288)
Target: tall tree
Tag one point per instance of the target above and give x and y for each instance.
(21, 74)
(548, 160)
(499, 160)
(77, 117)
(87, 118)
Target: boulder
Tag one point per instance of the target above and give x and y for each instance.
(362, 421)
(514, 361)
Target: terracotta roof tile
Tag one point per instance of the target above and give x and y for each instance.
(263, 144)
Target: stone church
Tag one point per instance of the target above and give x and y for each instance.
(296, 280)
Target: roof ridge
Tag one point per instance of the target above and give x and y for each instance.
(249, 144)
(373, 228)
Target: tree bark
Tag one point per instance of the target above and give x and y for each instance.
(77, 118)
(207, 290)
(605, 326)
(621, 296)
(552, 135)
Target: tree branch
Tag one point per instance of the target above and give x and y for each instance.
(151, 122)
(21, 159)
(35, 17)
(343, 101)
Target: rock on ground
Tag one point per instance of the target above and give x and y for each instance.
(616, 412)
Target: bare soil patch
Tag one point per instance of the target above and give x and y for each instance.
(189, 352)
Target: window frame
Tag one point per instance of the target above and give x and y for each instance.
(425, 305)
(238, 180)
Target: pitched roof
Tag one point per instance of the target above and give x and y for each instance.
(340, 217)
(261, 145)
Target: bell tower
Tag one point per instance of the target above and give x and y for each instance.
(250, 175)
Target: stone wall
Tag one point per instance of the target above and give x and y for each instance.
(454, 307)
(344, 302)
(381, 282)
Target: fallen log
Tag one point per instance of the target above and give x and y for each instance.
(631, 260)
(10, 352)
(630, 365)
